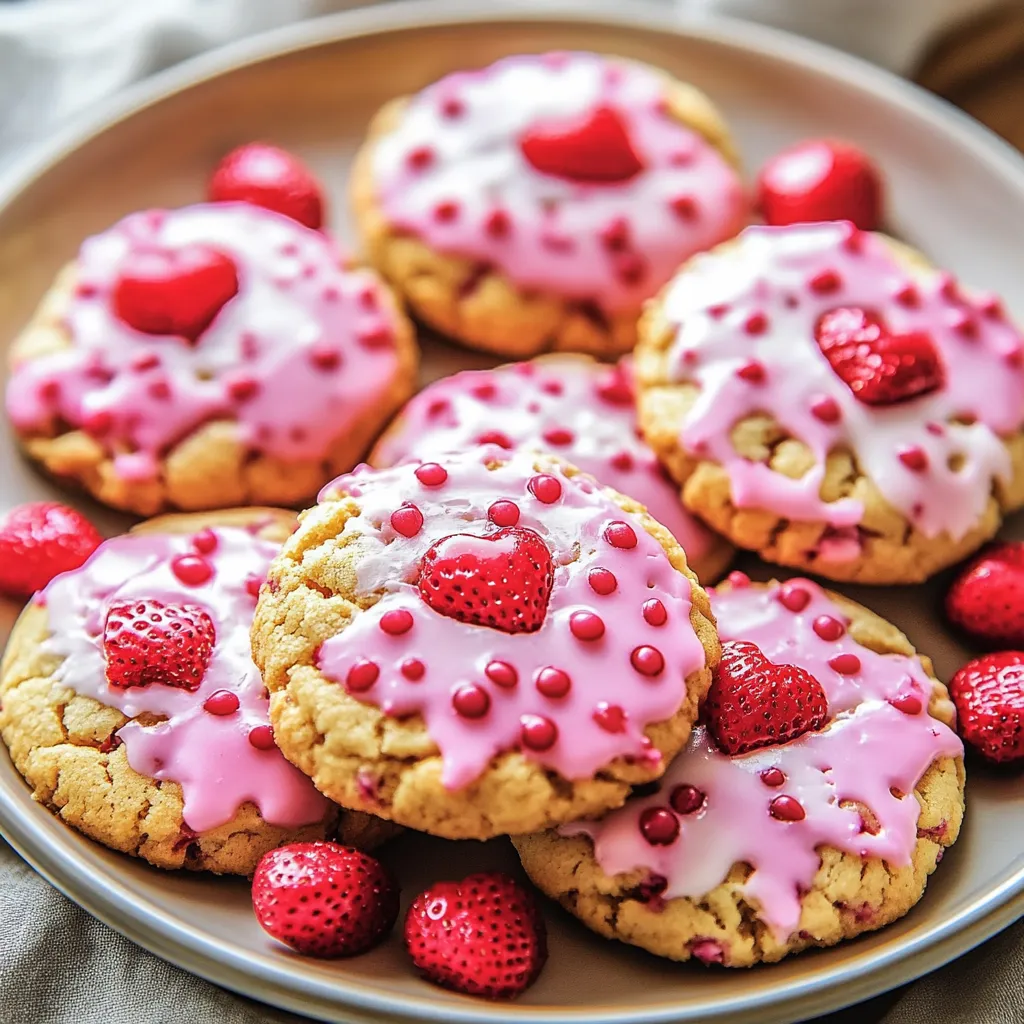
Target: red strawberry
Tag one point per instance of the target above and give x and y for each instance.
(503, 581)
(878, 366)
(989, 697)
(483, 936)
(40, 540)
(821, 180)
(151, 642)
(323, 899)
(755, 703)
(987, 598)
(174, 291)
(595, 148)
(272, 178)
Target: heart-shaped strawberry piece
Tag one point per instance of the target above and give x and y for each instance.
(755, 703)
(987, 598)
(174, 291)
(596, 148)
(502, 581)
(879, 366)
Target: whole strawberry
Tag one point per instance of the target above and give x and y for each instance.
(40, 540)
(148, 642)
(483, 936)
(987, 599)
(272, 178)
(323, 899)
(755, 703)
(989, 697)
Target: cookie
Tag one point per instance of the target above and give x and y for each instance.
(826, 398)
(162, 749)
(205, 357)
(747, 858)
(486, 644)
(570, 405)
(535, 204)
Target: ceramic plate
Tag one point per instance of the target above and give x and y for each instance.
(957, 193)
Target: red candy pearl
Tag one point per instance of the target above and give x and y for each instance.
(586, 626)
(192, 570)
(503, 513)
(552, 682)
(655, 613)
(620, 535)
(498, 224)
(223, 702)
(205, 541)
(396, 622)
(825, 282)
(648, 661)
(908, 703)
(502, 674)
(738, 580)
(407, 520)
(559, 436)
(826, 409)
(610, 717)
(752, 372)
(537, 733)
(786, 808)
(471, 701)
(828, 628)
(324, 357)
(686, 799)
(421, 157)
(659, 826)
(545, 488)
(252, 586)
(793, 598)
(756, 323)
(430, 474)
(413, 669)
(361, 676)
(845, 664)
(915, 459)
(262, 737)
(773, 777)
(446, 211)
(602, 581)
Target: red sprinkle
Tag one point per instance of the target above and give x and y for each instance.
(485, 391)
(552, 682)
(495, 437)
(559, 436)
(498, 224)
(159, 390)
(773, 777)
(908, 703)
(757, 323)
(620, 535)
(915, 459)
(738, 580)
(684, 207)
(826, 409)
(537, 733)
(502, 674)
(622, 461)
(223, 702)
(647, 660)
(413, 669)
(686, 799)
(602, 581)
(503, 513)
(753, 373)
(828, 628)
(242, 389)
(471, 701)
(192, 570)
(825, 282)
(964, 324)
(786, 808)
(420, 158)
(446, 211)
(610, 717)
(655, 613)
(793, 598)
(324, 357)
(430, 474)
(908, 296)
(262, 737)
(452, 106)
(615, 235)
(586, 626)
(845, 664)
(407, 520)
(545, 488)
(659, 826)
(396, 622)
(252, 585)
(361, 676)
(205, 541)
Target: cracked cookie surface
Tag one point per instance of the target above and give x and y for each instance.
(155, 774)
(733, 876)
(400, 704)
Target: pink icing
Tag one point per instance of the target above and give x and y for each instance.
(266, 361)
(453, 654)
(580, 410)
(868, 749)
(766, 279)
(209, 755)
(613, 243)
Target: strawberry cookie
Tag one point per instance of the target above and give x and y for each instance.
(571, 405)
(535, 204)
(489, 643)
(131, 705)
(826, 398)
(810, 805)
(205, 357)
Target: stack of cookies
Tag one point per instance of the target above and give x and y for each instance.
(497, 625)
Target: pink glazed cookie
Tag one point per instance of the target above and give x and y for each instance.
(205, 357)
(486, 644)
(577, 408)
(826, 398)
(161, 747)
(535, 204)
(746, 858)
